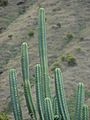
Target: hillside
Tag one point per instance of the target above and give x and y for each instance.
(64, 19)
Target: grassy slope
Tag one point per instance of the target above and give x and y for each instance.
(56, 12)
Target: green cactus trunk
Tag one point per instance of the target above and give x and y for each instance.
(39, 92)
(85, 113)
(14, 95)
(80, 101)
(43, 54)
(62, 105)
(48, 110)
(26, 80)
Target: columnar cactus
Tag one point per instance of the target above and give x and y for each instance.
(39, 92)
(80, 101)
(62, 105)
(48, 109)
(14, 95)
(26, 79)
(85, 113)
(43, 53)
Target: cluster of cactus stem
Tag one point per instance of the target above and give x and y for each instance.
(49, 107)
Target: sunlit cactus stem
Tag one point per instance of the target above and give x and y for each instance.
(26, 79)
(48, 109)
(79, 101)
(60, 94)
(85, 113)
(43, 54)
(39, 92)
(14, 95)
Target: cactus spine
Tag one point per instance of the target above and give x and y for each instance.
(14, 95)
(79, 101)
(48, 110)
(85, 112)
(43, 54)
(39, 92)
(25, 73)
(63, 110)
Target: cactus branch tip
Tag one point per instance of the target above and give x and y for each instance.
(81, 84)
(57, 70)
(24, 43)
(12, 70)
(47, 98)
(37, 65)
(42, 9)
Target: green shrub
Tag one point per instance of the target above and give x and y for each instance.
(70, 36)
(81, 38)
(78, 49)
(69, 58)
(31, 33)
(3, 116)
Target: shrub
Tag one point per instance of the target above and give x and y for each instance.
(78, 49)
(70, 36)
(81, 38)
(3, 116)
(59, 25)
(69, 58)
(10, 36)
(31, 33)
